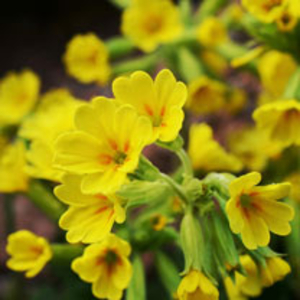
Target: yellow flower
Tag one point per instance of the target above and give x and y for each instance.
(87, 59)
(294, 7)
(158, 222)
(275, 270)
(54, 115)
(211, 32)
(236, 101)
(207, 154)
(90, 217)
(161, 101)
(275, 69)
(29, 253)
(281, 121)
(106, 266)
(18, 95)
(105, 146)
(253, 147)
(12, 163)
(215, 62)
(244, 286)
(195, 285)
(287, 21)
(294, 180)
(206, 95)
(151, 23)
(253, 210)
(266, 11)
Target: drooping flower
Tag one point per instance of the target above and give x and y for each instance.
(206, 96)
(87, 59)
(90, 217)
(160, 100)
(195, 285)
(211, 32)
(151, 23)
(105, 146)
(276, 269)
(214, 61)
(253, 210)
(281, 121)
(54, 115)
(256, 278)
(245, 286)
(18, 94)
(207, 154)
(253, 148)
(29, 252)
(266, 11)
(12, 168)
(275, 69)
(106, 266)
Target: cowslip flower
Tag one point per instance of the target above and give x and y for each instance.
(18, 94)
(87, 59)
(294, 180)
(12, 168)
(276, 269)
(106, 266)
(266, 11)
(160, 100)
(252, 284)
(275, 69)
(54, 115)
(195, 285)
(287, 21)
(207, 154)
(90, 217)
(244, 286)
(253, 210)
(214, 61)
(151, 23)
(281, 121)
(29, 252)
(253, 147)
(211, 32)
(206, 96)
(105, 146)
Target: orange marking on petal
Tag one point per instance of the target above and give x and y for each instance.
(126, 146)
(101, 210)
(105, 159)
(163, 125)
(163, 111)
(148, 110)
(101, 197)
(113, 144)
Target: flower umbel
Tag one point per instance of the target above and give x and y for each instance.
(106, 266)
(253, 210)
(29, 253)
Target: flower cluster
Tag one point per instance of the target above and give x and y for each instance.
(190, 154)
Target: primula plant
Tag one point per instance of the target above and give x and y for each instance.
(181, 180)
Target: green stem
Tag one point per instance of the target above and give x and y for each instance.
(9, 213)
(45, 200)
(186, 162)
(64, 253)
(177, 188)
(146, 63)
(119, 47)
(210, 8)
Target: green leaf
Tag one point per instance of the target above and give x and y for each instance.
(167, 271)
(137, 289)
